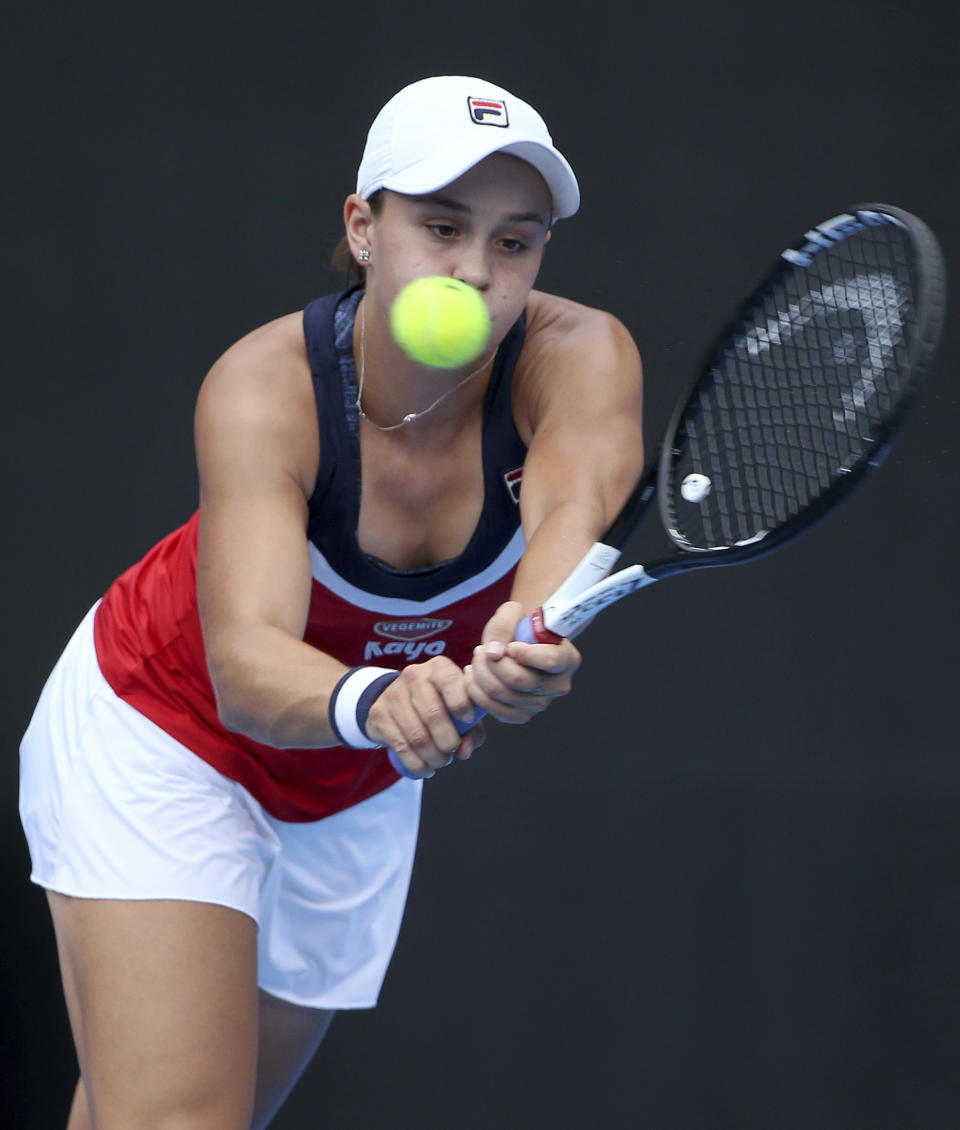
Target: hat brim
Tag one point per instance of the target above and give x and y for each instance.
(441, 169)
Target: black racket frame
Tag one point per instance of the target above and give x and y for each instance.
(930, 303)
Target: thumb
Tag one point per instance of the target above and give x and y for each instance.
(501, 628)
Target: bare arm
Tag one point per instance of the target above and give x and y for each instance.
(257, 456)
(582, 406)
(258, 453)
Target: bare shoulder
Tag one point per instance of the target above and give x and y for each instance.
(259, 393)
(266, 360)
(571, 349)
(557, 323)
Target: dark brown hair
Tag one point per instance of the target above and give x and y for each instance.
(342, 259)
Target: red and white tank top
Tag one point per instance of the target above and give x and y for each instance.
(147, 630)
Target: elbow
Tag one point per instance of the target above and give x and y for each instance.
(229, 711)
(229, 696)
(231, 717)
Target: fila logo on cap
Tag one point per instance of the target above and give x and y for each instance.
(488, 112)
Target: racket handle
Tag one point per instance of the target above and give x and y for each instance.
(529, 630)
(462, 728)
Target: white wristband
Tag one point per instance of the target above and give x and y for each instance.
(351, 701)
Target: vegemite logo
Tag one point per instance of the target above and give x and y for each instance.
(488, 112)
(408, 638)
(408, 630)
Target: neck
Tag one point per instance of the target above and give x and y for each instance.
(396, 392)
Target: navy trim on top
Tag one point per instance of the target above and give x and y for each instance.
(334, 507)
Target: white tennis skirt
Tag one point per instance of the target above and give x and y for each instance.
(114, 808)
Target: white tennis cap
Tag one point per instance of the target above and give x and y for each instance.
(434, 130)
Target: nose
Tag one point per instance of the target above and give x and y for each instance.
(472, 268)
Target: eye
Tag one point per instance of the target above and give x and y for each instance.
(512, 245)
(442, 231)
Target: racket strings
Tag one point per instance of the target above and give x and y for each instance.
(797, 392)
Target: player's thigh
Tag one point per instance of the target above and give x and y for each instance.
(289, 1036)
(163, 1003)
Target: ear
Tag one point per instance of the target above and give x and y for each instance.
(358, 222)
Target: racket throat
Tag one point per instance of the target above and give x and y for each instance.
(566, 617)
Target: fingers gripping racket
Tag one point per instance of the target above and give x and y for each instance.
(797, 400)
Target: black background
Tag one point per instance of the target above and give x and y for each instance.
(717, 886)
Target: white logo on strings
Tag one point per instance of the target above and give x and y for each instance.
(876, 297)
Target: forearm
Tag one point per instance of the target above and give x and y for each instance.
(513, 681)
(274, 688)
(555, 548)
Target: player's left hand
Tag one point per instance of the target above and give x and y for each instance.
(513, 681)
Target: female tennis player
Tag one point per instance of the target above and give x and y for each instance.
(206, 789)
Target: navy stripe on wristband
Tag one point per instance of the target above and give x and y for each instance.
(351, 700)
(370, 696)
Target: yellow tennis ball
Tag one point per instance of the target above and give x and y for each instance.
(440, 321)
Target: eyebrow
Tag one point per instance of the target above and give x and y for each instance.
(458, 206)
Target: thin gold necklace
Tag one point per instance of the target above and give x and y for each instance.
(410, 416)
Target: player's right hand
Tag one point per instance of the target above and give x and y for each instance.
(415, 715)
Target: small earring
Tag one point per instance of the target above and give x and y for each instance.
(363, 255)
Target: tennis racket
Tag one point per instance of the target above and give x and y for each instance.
(796, 402)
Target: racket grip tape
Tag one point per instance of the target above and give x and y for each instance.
(531, 629)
